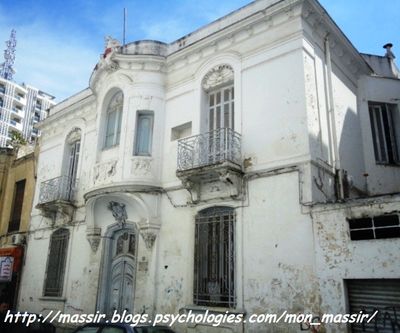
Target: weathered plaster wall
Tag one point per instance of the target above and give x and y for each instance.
(381, 178)
(339, 258)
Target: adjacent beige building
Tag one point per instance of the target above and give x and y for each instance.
(17, 186)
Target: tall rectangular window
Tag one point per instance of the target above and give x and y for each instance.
(144, 133)
(56, 263)
(383, 119)
(221, 108)
(214, 266)
(113, 129)
(113, 121)
(18, 202)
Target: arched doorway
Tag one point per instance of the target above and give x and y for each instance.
(117, 289)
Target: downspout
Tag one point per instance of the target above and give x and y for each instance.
(332, 117)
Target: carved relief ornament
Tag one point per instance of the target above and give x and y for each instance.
(217, 76)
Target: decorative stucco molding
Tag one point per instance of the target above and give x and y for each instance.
(118, 211)
(149, 230)
(141, 166)
(93, 235)
(104, 171)
(217, 76)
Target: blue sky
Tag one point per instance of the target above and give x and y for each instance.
(59, 42)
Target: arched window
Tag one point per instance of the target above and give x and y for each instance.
(218, 84)
(113, 121)
(214, 264)
(56, 263)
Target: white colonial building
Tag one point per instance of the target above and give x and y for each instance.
(251, 166)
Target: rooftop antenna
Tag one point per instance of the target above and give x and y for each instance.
(6, 68)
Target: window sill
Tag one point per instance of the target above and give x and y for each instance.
(142, 155)
(52, 299)
(110, 148)
(394, 165)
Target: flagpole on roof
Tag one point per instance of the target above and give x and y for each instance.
(124, 30)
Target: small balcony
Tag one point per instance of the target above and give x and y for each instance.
(219, 146)
(15, 125)
(17, 112)
(210, 157)
(57, 196)
(19, 97)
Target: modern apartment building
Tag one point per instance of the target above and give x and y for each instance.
(21, 107)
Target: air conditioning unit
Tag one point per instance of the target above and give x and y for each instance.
(17, 239)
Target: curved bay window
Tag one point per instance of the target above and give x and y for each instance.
(214, 264)
(56, 261)
(113, 122)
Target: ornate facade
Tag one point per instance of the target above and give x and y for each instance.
(220, 172)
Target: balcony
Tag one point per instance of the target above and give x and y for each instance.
(19, 97)
(213, 157)
(56, 197)
(15, 125)
(17, 112)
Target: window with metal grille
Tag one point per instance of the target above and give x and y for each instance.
(19, 192)
(377, 227)
(56, 263)
(144, 133)
(383, 120)
(113, 123)
(214, 264)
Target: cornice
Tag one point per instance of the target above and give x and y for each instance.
(124, 187)
(117, 62)
(69, 112)
(324, 27)
(221, 40)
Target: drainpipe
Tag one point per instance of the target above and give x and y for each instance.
(332, 119)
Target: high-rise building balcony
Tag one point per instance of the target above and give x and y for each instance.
(19, 97)
(17, 112)
(15, 125)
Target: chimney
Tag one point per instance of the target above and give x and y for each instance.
(389, 54)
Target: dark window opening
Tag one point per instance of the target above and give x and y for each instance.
(214, 267)
(383, 120)
(56, 263)
(19, 192)
(377, 227)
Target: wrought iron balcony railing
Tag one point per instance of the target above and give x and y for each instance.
(60, 188)
(218, 146)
